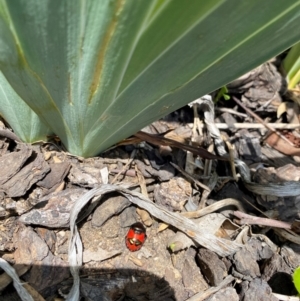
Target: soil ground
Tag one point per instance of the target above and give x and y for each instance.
(41, 183)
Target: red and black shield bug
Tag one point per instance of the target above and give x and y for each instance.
(135, 237)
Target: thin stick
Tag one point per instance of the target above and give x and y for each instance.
(189, 167)
(246, 125)
(255, 116)
(255, 220)
(231, 157)
(190, 177)
(231, 111)
(132, 155)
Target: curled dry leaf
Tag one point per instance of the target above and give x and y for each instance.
(279, 144)
(212, 224)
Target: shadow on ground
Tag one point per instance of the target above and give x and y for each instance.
(96, 285)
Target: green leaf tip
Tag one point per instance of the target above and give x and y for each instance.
(296, 279)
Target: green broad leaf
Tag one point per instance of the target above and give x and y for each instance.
(291, 65)
(98, 71)
(296, 279)
(25, 123)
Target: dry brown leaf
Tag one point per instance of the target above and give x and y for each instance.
(162, 227)
(279, 144)
(160, 140)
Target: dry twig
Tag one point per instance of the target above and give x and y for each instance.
(255, 220)
(246, 125)
(255, 116)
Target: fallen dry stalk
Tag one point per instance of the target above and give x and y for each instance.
(125, 166)
(255, 116)
(231, 157)
(190, 177)
(161, 140)
(246, 125)
(255, 220)
(214, 207)
(288, 235)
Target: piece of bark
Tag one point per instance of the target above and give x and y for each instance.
(50, 271)
(211, 266)
(257, 290)
(259, 249)
(11, 163)
(276, 264)
(34, 171)
(291, 255)
(111, 206)
(259, 86)
(56, 212)
(246, 264)
(85, 175)
(30, 248)
(3, 147)
(8, 229)
(128, 217)
(165, 173)
(99, 255)
(8, 134)
(56, 175)
(48, 236)
(173, 194)
(46, 269)
(191, 276)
